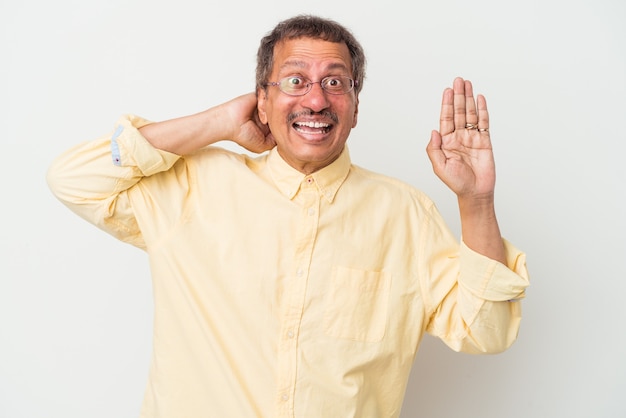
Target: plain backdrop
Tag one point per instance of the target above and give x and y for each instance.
(76, 305)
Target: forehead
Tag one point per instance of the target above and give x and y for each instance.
(311, 54)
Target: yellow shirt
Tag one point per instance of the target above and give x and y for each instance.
(279, 294)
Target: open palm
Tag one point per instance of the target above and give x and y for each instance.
(461, 152)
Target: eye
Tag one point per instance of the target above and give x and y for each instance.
(336, 84)
(293, 82)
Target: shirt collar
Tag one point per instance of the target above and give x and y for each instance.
(328, 179)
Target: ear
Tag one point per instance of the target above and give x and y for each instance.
(261, 103)
(356, 112)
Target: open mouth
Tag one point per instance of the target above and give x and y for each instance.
(312, 127)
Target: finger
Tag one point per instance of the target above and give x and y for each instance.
(459, 103)
(483, 114)
(446, 118)
(470, 105)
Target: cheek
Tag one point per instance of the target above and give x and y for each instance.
(274, 120)
(275, 110)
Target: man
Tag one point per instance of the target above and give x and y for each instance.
(296, 284)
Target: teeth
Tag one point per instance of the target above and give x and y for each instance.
(316, 125)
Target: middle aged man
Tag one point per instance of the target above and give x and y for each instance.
(294, 283)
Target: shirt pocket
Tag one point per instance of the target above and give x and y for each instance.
(357, 304)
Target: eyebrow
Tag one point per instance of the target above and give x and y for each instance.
(303, 64)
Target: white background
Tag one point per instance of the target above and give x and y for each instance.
(75, 304)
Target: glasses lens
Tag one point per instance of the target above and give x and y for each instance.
(298, 86)
(293, 85)
(337, 84)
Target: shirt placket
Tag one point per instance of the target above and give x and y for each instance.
(309, 201)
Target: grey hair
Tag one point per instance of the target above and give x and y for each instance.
(314, 27)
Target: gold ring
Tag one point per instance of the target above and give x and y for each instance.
(471, 126)
(483, 129)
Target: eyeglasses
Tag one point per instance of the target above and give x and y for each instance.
(298, 86)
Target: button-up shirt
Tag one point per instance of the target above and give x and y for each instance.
(279, 294)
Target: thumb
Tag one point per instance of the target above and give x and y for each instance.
(434, 151)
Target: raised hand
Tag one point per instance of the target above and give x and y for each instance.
(462, 158)
(460, 151)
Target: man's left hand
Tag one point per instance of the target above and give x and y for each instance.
(460, 151)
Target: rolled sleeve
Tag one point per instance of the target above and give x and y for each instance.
(482, 313)
(86, 180)
(491, 280)
(130, 149)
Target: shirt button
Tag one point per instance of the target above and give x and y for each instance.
(299, 272)
(290, 334)
(311, 211)
(284, 397)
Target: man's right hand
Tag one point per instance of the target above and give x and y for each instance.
(236, 120)
(248, 131)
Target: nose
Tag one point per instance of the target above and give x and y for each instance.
(316, 99)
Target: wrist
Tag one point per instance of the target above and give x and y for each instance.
(477, 206)
(479, 227)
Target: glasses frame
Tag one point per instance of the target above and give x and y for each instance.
(309, 85)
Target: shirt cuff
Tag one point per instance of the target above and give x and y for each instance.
(130, 149)
(491, 280)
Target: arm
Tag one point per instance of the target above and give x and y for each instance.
(95, 179)
(236, 120)
(480, 314)
(462, 158)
